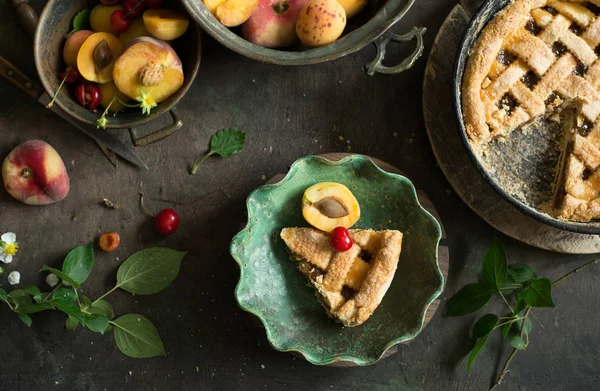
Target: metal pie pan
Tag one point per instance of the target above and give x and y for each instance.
(484, 15)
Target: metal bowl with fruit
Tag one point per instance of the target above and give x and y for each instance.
(105, 61)
(301, 32)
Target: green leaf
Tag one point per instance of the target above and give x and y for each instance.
(506, 329)
(102, 307)
(66, 295)
(517, 342)
(3, 295)
(494, 265)
(20, 298)
(71, 323)
(96, 322)
(38, 307)
(484, 325)
(520, 305)
(82, 20)
(149, 271)
(35, 292)
(61, 275)
(25, 318)
(86, 301)
(71, 310)
(136, 337)
(538, 293)
(521, 274)
(476, 349)
(469, 299)
(225, 142)
(527, 323)
(79, 263)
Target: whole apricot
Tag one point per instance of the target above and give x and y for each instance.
(321, 22)
(100, 18)
(72, 46)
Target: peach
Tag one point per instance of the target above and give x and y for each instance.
(165, 24)
(97, 56)
(100, 18)
(72, 46)
(213, 4)
(232, 13)
(321, 22)
(150, 65)
(273, 24)
(108, 92)
(352, 7)
(136, 30)
(34, 174)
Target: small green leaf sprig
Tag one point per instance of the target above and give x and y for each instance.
(144, 273)
(81, 21)
(517, 284)
(147, 103)
(225, 142)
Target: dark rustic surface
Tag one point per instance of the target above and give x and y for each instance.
(288, 113)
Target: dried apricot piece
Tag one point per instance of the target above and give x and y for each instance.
(109, 241)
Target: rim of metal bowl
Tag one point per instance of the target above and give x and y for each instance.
(459, 65)
(349, 43)
(164, 107)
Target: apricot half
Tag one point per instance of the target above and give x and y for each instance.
(97, 56)
(328, 205)
(165, 24)
(148, 65)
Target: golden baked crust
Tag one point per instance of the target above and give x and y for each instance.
(534, 57)
(349, 286)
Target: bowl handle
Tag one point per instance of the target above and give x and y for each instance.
(27, 16)
(157, 135)
(381, 45)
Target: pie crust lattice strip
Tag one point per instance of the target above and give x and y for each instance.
(534, 58)
(350, 284)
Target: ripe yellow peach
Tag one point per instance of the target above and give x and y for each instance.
(165, 24)
(136, 30)
(100, 18)
(321, 22)
(149, 65)
(97, 57)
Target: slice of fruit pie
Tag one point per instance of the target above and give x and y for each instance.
(351, 270)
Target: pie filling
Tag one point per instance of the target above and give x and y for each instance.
(350, 284)
(534, 60)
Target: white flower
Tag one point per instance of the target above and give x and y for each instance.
(51, 280)
(9, 247)
(14, 278)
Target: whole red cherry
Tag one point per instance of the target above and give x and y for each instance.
(70, 75)
(119, 22)
(154, 3)
(88, 95)
(133, 8)
(340, 239)
(167, 222)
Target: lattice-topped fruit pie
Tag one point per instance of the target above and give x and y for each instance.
(534, 59)
(350, 284)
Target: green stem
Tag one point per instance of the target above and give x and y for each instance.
(127, 104)
(53, 290)
(572, 272)
(506, 301)
(106, 294)
(505, 323)
(144, 206)
(198, 162)
(57, 91)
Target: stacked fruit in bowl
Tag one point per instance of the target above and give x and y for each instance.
(124, 59)
(281, 23)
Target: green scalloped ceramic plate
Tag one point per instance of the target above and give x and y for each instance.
(271, 288)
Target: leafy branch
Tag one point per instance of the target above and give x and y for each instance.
(517, 284)
(146, 272)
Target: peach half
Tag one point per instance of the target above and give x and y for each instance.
(35, 174)
(165, 24)
(149, 65)
(72, 46)
(97, 56)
